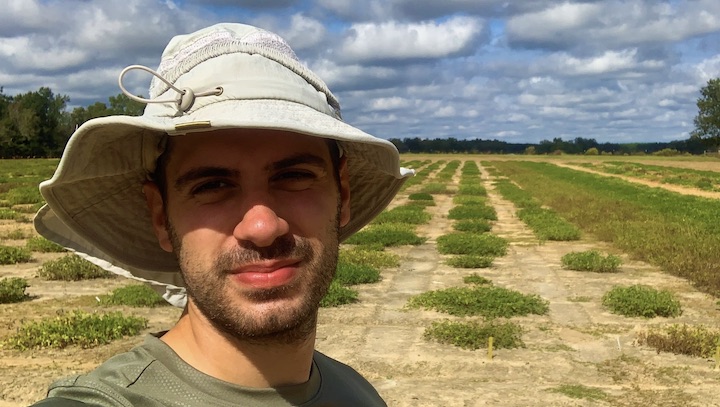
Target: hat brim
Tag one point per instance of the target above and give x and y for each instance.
(95, 201)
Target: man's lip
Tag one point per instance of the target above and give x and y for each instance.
(265, 267)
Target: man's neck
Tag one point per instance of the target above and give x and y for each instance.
(245, 363)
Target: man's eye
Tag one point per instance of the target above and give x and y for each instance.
(294, 180)
(210, 186)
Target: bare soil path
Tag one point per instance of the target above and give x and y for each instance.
(578, 342)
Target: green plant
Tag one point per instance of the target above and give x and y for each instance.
(338, 295)
(641, 301)
(16, 234)
(420, 196)
(472, 225)
(547, 225)
(487, 301)
(407, 214)
(6, 213)
(14, 255)
(40, 244)
(434, 188)
(470, 261)
(579, 391)
(699, 341)
(12, 289)
(137, 295)
(469, 243)
(77, 328)
(352, 273)
(469, 200)
(71, 268)
(474, 335)
(472, 190)
(472, 212)
(372, 258)
(591, 260)
(475, 278)
(24, 195)
(386, 234)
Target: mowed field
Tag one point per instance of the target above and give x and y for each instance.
(657, 215)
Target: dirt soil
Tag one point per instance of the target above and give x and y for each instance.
(578, 342)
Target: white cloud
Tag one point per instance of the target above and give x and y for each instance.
(398, 41)
(303, 33)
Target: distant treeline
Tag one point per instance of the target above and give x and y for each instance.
(38, 124)
(557, 146)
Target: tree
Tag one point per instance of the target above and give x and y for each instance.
(707, 121)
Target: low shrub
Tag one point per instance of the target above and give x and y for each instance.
(472, 190)
(641, 301)
(408, 214)
(487, 301)
(352, 273)
(78, 328)
(387, 234)
(472, 225)
(434, 188)
(377, 259)
(699, 341)
(475, 278)
(40, 244)
(579, 391)
(474, 335)
(14, 255)
(420, 196)
(469, 243)
(591, 260)
(71, 268)
(137, 295)
(12, 289)
(338, 295)
(472, 212)
(470, 261)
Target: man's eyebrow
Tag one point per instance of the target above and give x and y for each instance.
(198, 173)
(303, 158)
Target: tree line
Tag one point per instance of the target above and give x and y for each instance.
(39, 124)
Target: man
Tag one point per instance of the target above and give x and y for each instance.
(232, 193)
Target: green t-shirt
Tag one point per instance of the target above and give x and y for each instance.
(152, 374)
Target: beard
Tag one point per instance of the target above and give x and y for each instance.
(214, 295)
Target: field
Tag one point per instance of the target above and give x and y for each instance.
(523, 249)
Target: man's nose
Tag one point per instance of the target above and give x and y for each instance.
(261, 226)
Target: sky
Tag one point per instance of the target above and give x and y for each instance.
(521, 71)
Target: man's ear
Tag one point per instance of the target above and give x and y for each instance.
(155, 204)
(344, 192)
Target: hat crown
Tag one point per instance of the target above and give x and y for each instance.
(185, 52)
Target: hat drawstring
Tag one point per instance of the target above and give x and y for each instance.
(186, 96)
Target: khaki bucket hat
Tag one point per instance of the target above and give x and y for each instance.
(224, 76)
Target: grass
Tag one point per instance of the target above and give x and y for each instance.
(472, 225)
(77, 328)
(17, 234)
(678, 233)
(386, 234)
(24, 195)
(71, 268)
(470, 261)
(472, 190)
(14, 255)
(40, 244)
(12, 289)
(475, 278)
(547, 225)
(487, 301)
(700, 341)
(434, 188)
(371, 258)
(472, 244)
(338, 295)
(137, 295)
(705, 180)
(420, 196)
(641, 301)
(469, 200)
(579, 391)
(407, 214)
(475, 335)
(472, 212)
(591, 260)
(353, 273)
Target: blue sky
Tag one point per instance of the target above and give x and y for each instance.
(523, 71)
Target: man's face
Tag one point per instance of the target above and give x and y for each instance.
(253, 216)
